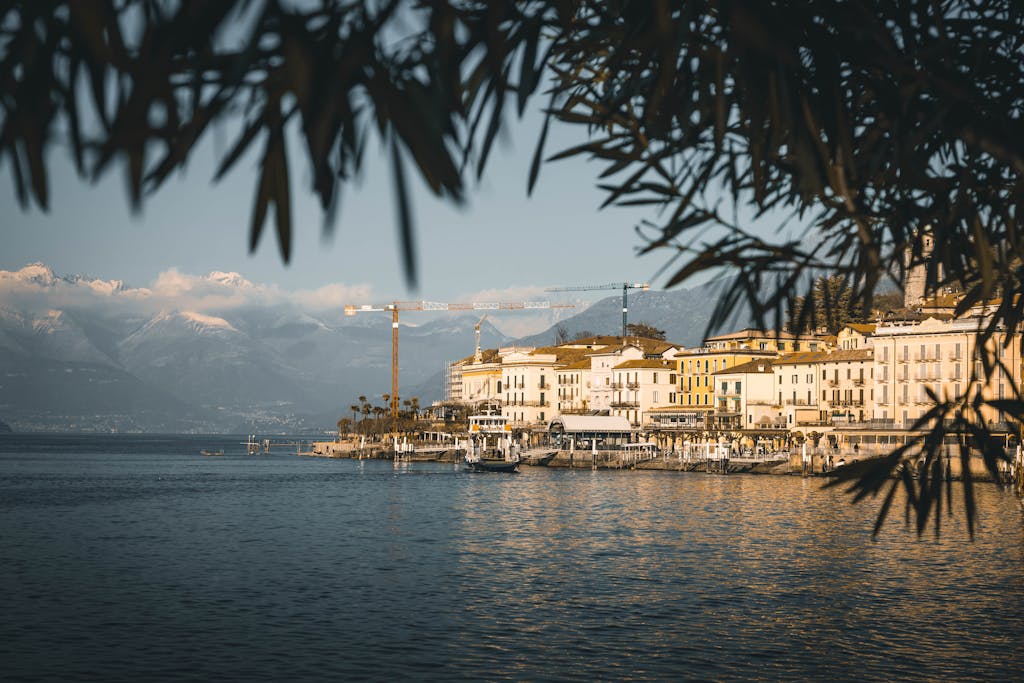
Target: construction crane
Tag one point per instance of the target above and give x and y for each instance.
(477, 355)
(395, 306)
(626, 286)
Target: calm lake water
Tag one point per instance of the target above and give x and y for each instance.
(135, 558)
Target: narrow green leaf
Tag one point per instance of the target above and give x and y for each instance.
(405, 221)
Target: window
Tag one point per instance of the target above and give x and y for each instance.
(542, 403)
(542, 416)
(654, 398)
(655, 378)
(794, 379)
(737, 387)
(823, 374)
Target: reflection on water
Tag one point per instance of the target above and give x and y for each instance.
(126, 558)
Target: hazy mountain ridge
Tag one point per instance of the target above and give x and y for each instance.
(683, 314)
(74, 366)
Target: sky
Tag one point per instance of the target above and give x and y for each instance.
(500, 246)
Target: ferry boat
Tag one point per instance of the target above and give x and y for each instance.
(489, 447)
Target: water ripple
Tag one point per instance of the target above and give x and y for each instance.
(140, 559)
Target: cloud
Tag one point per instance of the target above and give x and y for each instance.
(36, 288)
(510, 294)
(331, 297)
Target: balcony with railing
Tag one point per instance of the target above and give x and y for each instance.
(625, 404)
(797, 402)
(632, 385)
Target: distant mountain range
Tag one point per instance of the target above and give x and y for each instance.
(683, 314)
(83, 354)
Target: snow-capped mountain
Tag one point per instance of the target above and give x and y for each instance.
(81, 351)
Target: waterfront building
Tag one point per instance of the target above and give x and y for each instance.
(745, 397)
(530, 382)
(574, 387)
(481, 378)
(847, 386)
(604, 361)
(695, 370)
(797, 387)
(640, 385)
(940, 355)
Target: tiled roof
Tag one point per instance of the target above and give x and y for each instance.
(751, 333)
(809, 357)
(755, 366)
(710, 353)
(654, 363)
(863, 328)
(488, 355)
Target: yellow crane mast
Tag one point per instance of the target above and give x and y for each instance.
(395, 306)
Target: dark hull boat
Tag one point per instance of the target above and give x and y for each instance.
(492, 465)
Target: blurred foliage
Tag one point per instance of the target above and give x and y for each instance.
(828, 307)
(850, 127)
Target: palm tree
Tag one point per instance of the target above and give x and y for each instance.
(366, 410)
(355, 411)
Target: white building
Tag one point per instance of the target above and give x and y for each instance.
(912, 358)
(797, 389)
(642, 384)
(744, 396)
